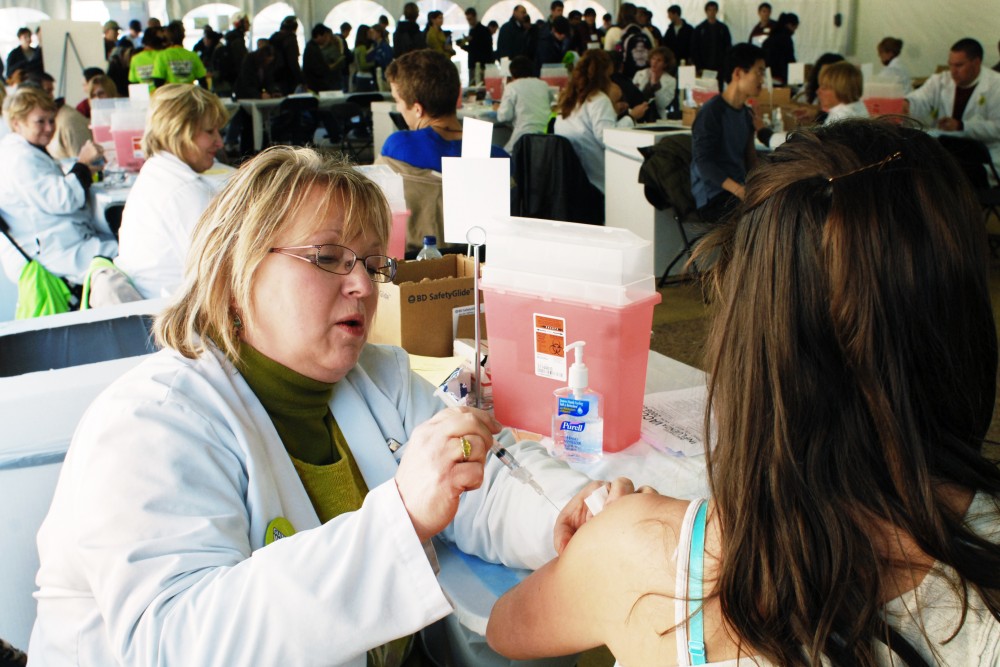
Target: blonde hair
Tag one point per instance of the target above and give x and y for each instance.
(238, 229)
(23, 101)
(844, 79)
(177, 112)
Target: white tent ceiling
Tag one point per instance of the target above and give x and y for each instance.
(927, 27)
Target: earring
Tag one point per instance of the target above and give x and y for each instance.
(237, 322)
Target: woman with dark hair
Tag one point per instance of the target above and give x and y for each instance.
(585, 110)
(364, 72)
(436, 37)
(852, 376)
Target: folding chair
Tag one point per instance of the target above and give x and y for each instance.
(666, 174)
(551, 182)
(296, 121)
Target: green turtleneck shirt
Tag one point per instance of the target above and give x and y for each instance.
(299, 408)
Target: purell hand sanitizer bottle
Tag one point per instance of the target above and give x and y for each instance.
(578, 419)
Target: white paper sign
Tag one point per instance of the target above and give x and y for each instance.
(476, 190)
(139, 92)
(685, 77)
(796, 73)
(476, 138)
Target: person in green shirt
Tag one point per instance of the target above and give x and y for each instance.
(143, 62)
(175, 64)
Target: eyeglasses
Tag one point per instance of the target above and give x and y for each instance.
(340, 260)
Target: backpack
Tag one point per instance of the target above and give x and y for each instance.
(635, 47)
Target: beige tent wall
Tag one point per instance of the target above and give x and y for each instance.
(927, 28)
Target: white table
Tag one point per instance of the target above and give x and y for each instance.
(474, 585)
(626, 205)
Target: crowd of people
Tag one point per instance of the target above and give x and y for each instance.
(269, 455)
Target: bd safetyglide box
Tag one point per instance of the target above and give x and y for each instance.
(421, 310)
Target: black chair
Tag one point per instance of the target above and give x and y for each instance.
(345, 118)
(666, 175)
(364, 130)
(113, 216)
(295, 121)
(977, 164)
(398, 121)
(551, 183)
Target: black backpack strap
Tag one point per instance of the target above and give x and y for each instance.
(6, 232)
(898, 645)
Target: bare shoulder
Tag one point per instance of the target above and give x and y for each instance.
(637, 530)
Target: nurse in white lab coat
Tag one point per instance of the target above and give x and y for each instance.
(46, 209)
(933, 103)
(172, 190)
(208, 514)
(893, 71)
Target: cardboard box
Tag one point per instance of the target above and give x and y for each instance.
(416, 312)
(688, 115)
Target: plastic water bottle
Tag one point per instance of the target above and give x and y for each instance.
(430, 249)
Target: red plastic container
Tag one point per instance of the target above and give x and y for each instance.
(617, 351)
(128, 148)
(397, 237)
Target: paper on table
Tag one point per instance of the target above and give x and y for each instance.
(434, 369)
(685, 77)
(672, 421)
(796, 73)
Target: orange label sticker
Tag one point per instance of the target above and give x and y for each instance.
(550, 346)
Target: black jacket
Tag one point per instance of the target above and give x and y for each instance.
(408, 37)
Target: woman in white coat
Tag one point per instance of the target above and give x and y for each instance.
(171, 191)
(585, 111)
(839, 97)
(893, 70)
(655, 81)
(45, 208)
(267, 418)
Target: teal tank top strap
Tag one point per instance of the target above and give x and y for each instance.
(695, 592)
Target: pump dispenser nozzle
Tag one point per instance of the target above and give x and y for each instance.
(578, 376)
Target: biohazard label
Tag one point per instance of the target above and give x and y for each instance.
(137, 147)
(550, 347)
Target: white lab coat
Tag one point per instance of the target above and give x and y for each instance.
(153, 550)
(896, 72)
(527, 102)
(664, 96)
(843, 111)
(981, 120)
(585, 130)
(47, 213)
(162, 209)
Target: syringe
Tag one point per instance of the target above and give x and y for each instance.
(517, 471)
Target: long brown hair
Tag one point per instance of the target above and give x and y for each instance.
(853, 372)
(591, 75)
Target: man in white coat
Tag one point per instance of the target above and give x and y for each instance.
(964, 100)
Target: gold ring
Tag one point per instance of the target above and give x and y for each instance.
(466, 448)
